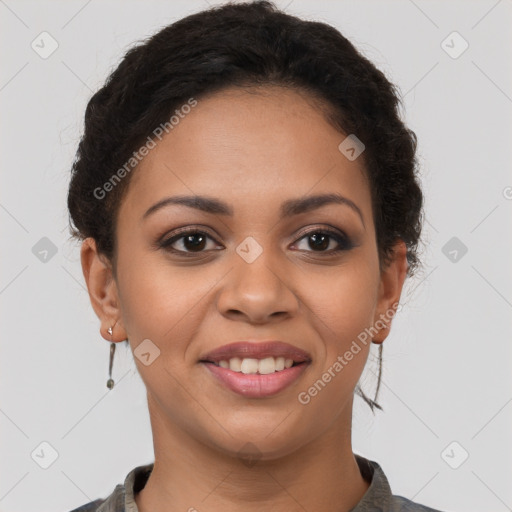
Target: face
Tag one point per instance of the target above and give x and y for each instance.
(191, 280)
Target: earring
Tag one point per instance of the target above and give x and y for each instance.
(110, 382)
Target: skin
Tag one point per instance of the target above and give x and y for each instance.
(252, 151)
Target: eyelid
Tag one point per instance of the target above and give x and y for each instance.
(185, 230)
(325, 228)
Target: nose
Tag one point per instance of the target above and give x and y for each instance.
(257, 292)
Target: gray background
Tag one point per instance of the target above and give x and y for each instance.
(447, 364)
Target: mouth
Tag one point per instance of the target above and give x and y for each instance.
(255, 385)
(278, 351)
(256, 370)
(253, 366)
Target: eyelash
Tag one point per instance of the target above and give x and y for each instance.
(343, 241)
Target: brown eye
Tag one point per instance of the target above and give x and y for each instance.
(191, 241)
(321, 240)
(195, 242)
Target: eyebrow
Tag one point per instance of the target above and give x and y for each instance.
(288, 208)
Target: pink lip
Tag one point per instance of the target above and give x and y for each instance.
(256, 350)
(256, 385)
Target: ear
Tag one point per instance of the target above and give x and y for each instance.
(102, 289)
(392, 278)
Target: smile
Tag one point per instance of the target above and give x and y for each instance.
(247, 380)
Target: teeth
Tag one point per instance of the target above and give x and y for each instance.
(235, 364)
(250, 366)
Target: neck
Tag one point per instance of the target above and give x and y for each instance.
(188, 475)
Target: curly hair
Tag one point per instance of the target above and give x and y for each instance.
(244, 45)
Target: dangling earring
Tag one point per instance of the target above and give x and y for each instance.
(110, 382)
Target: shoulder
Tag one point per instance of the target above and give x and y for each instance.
(122, 497)
(401, 504)
(92, 506)
(379, 495)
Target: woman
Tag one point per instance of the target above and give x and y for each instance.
(247, 198)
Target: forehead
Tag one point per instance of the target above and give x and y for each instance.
(249, 147)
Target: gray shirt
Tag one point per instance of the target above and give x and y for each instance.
(377, 498)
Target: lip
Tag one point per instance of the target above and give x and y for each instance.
(256, 385)
(256, 350)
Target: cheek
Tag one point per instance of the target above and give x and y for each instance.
(341, 317)
(164, 303)
(160, 304)
(345, 301)
(356, 301)
(342, 313)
